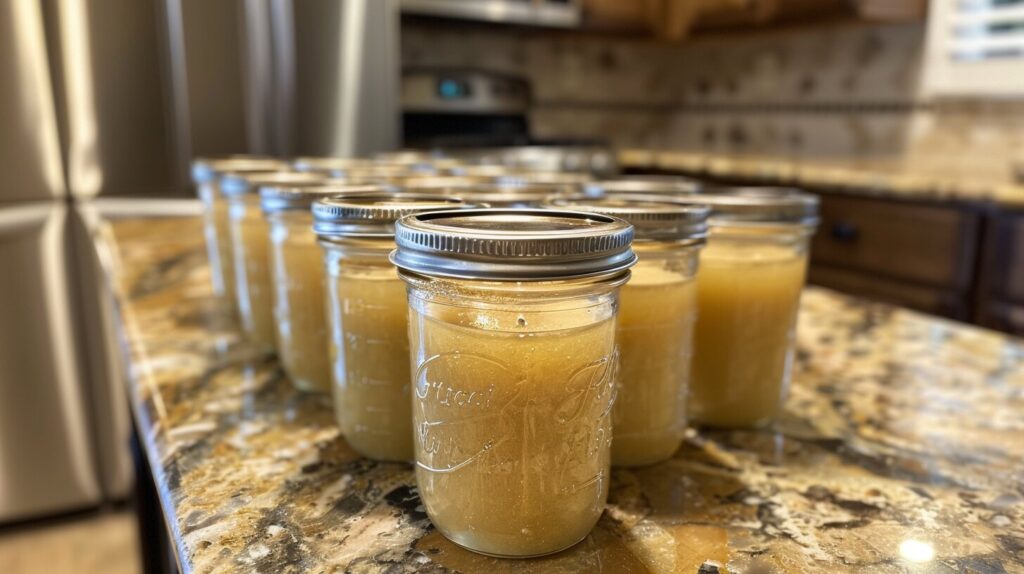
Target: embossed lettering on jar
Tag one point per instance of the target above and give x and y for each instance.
(512, 339)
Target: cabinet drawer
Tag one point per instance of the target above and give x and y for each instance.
(1003, 270)
(870, 286)
(926, 244)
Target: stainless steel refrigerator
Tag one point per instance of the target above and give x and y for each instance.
(102, 107)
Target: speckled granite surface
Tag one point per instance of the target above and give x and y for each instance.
(936, 182)
(902, 449)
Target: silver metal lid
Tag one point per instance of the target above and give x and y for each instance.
(408, 156)
(333, 166)
(438, 183)
(238, 183)
(300, 197)
(206, 169)
(654, 217)
(571, 182)
(758, 205)
(499, 194)
(373, 214)
(644, 184)
(488, 171)
(513, 244)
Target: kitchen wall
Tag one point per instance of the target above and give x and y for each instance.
(816, 92)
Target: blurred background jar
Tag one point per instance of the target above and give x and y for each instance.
(367, 317)
(663, 185)
(489, 193)
(752, 274)
(249, 249)
(297, 273)
(512, 336)
(206, 175)
(657, 312)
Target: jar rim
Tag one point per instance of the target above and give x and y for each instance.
(504, 244)
(663, 185)
(373, 214)
(234, 183)
(748, 205)
(207, 169)
(654, 217)
(300, 197)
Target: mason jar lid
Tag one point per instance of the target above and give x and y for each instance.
(300, 197)
(572, 182)
(757, 205)
(373, 214)
(334, 166)
(408, 156)
(489, 171)
(513, 244)
(439, 184)
(206, 169)
(238, 183)
(644, 184)
(654, 217)
(503, 194)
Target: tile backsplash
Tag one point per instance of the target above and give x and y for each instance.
(835, 91)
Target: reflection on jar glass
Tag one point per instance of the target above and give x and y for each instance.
(249, 234)
(367, 318)
(512, 340)
(748, 295)
(206, 174)
(297, 273)
(657, 312)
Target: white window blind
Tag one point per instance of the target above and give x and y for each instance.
(975, 47)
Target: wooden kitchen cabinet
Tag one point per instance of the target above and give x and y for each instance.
(1000, 301)
(916, 254)
(958, 258)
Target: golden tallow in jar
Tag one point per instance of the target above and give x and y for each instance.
(206, 174)
(748, 293)
(657, 312)
(250, 250)
(512, 341)
(367, 318)
(297, 274)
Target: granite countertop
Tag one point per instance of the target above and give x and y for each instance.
(895, 179)
(901, 449)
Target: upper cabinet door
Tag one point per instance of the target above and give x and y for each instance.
(30, 166)
(117, 97)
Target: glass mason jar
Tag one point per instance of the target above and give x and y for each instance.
(657, 312)
(297, 274)
(512, 339)
(367, 318)
(250, 251)
(206, 174)
(748, 295)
